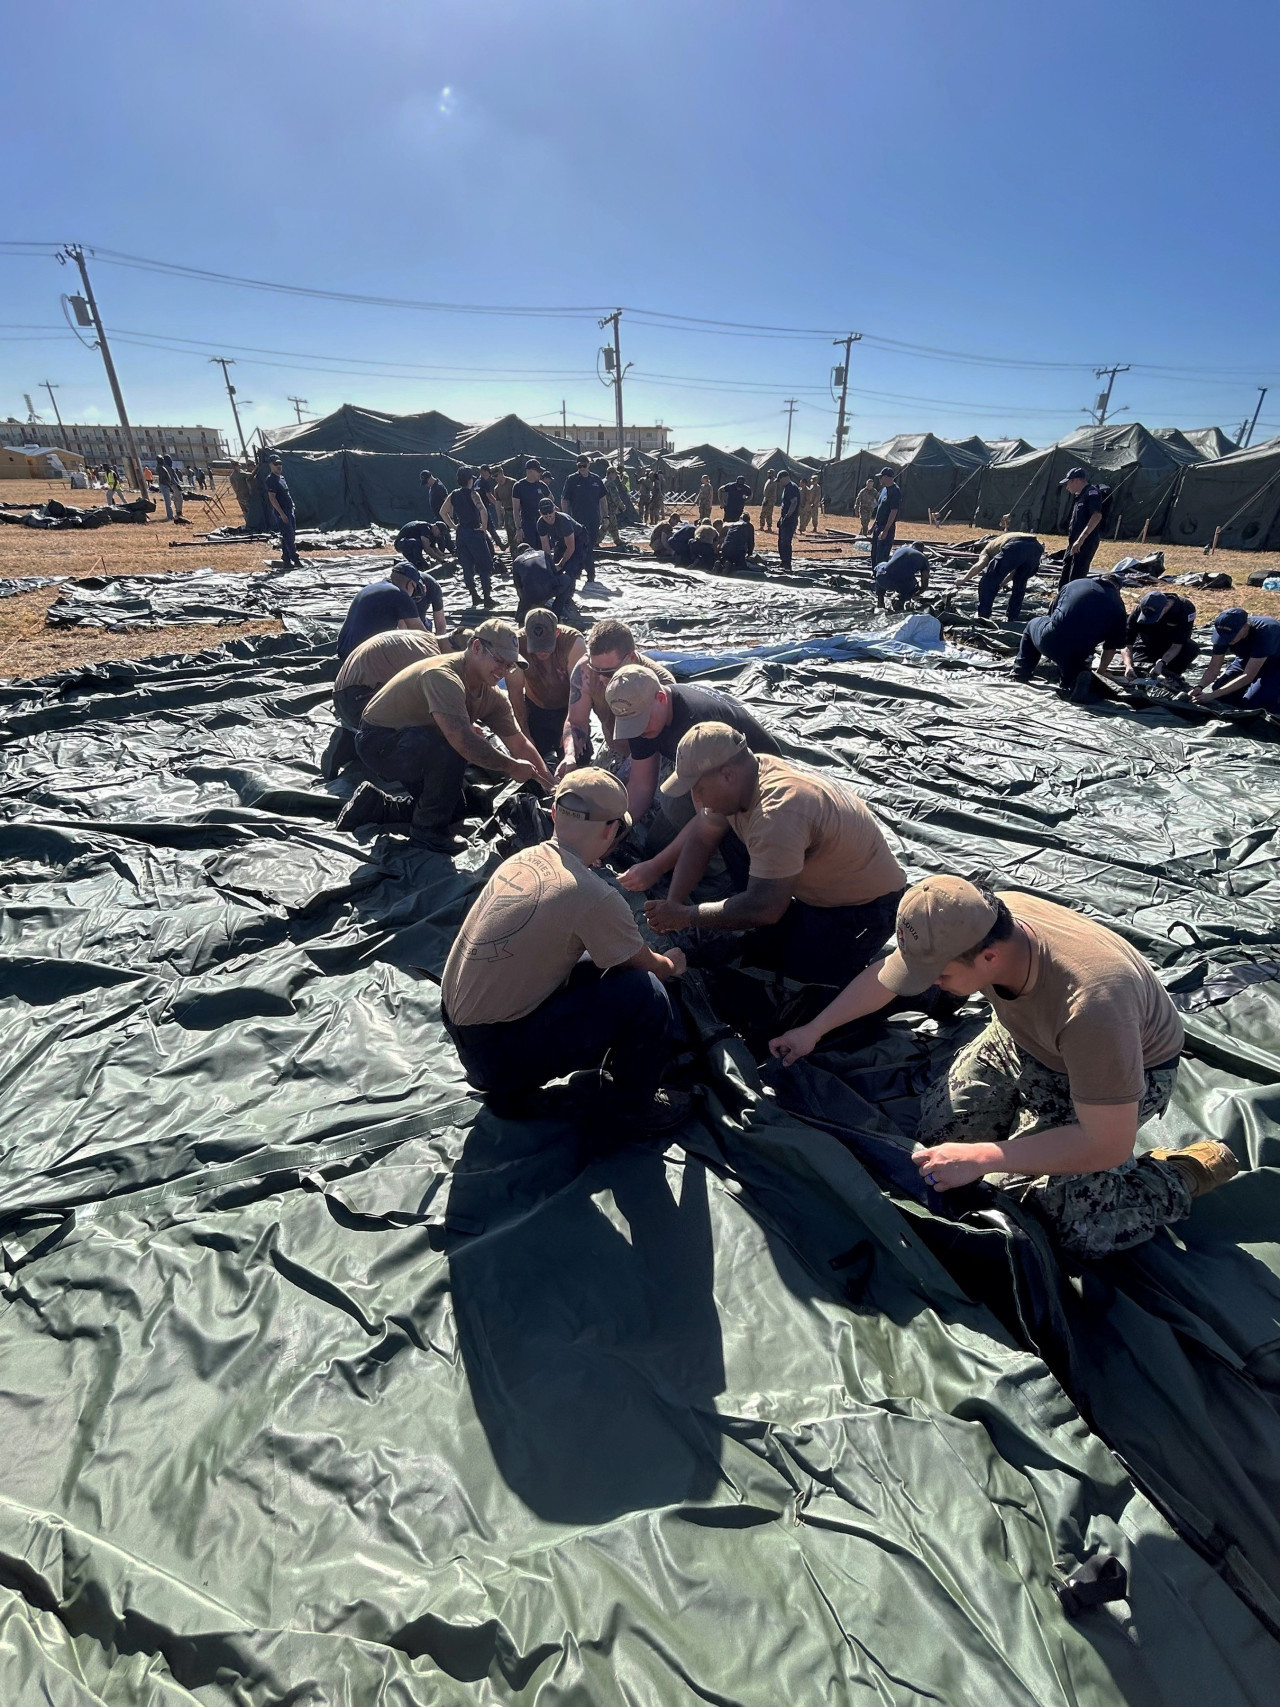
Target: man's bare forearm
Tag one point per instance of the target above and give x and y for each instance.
(468, 740)
(864, 995)
(692, 861)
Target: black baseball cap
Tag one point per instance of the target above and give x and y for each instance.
(890, 472)
(1074, 474)
(546, 503)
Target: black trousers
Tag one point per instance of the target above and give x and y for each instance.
(786, 537)
(421, 761)
(620, 1019)
(1031, 650)
(1183, 662)
(349, 703)
(1075, 565)
(905, 583)
(881, 546)
(288, 549)
(475, 554)
(546, 727)
(993, 577)
(823, 945)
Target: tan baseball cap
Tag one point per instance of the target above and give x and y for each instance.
(938, 920)
(592, 794)
(540, 630)
(630, 696)
(502, 640)
(703, 748)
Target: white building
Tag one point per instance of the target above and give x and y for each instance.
(99, 441)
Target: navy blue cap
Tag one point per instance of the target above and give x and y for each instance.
(1151, 605)
(546, 503)
(1228, 623)
(1074, 474)
(889, 471)
(406, 570)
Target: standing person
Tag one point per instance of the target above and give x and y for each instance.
(171, 489)
(1253, 680)
(619, 502)
(1012, 557)
(549, 974)
(610, 516)
(484, 488)
(733, 498)
(280, 500)
(767, 498)
(788, 516)
(583, 496)
(540, 693)
(1081, 1051)
(526, 495)
(816, 883)
(113, 488)
(706, 497)
(865, 504)
(611, 647)
(810, 500)
(503, 487)
(655, 496)
(888, 504)
(1084, 527)
(1158, 636)
(1086, 614)
(437, 492)
(561, 537)
(464, 511)
(421, 731)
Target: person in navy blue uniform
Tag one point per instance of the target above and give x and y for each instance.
(465, 511)
(583, 495)
(903, 576)
(1253, 681)
(885, 522)
(1158, 639)
(416, 539)
(526, 495)
(437, 492)
(1085, 615)
(403, 600)
(788, 516)
(280, 501)
(738, 543)
(680, 544)
(1084, 527)
(561, 537)
(733, 498)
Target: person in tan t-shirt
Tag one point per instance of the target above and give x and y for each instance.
(549, 974)
(372, 665)
(610, 646)
(820, 886)
(540, 693)
(420, 730)
(1012, 557)
(1082, 1050)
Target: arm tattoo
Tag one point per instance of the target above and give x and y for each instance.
(466, 739)
(576, 683)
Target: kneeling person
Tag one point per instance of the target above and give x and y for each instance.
(903, 576)
(1086, 614)
(372, 665)
(420, 730)
(549, 974)
(1158, 636)
(822, 885)
(1082, 1050)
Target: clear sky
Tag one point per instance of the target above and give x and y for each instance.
(1020, 181)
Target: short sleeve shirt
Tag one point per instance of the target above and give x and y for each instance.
(1172, 628)
(557, 530)
(526, 495)
(437, 687)
(375, 661)
(817, 833)
(546, 681)
(583, 496)
(690, 705)
(535, 918)
(374, 609)
(1089, 503)
(279, 490)
(1262, 639)
(1092, 1007)
(890, 499)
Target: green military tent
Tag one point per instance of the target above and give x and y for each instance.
(352, 428)
(774, 461)
(688, 466)
(1211, 442)
(1141, 470)
(509, 441)
(843, 480)
(1239, 494)
(1001, 450)
(352, 488)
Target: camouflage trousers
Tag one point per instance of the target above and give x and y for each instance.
(994, 1091)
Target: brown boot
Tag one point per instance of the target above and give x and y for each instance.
(1205, 1166)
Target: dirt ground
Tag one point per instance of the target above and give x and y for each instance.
(29, 648)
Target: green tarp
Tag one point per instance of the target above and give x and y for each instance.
(511, 441)
(688, 466)
(351, 428)
(322, 1385)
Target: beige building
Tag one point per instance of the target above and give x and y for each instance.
(37, 462)
(656, 441)
(101, 441)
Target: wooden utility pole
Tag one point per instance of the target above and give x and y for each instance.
(613, 365)
(58, 418)
(792, 405)
(86, 313)
(841, 377)
(224, 362)
(299, 404)
(1104, 398)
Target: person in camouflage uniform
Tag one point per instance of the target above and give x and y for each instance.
(1045, 1103)
(866, 505)
(767, 499)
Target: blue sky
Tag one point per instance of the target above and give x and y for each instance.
(1038, 183)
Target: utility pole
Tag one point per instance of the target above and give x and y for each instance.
(1246, 434)
(841, 377)
(86, 313)
(224, 362)
(299, 404)
(564, 421)
(57, 417)
(613, 365)
(1104, 398)
(791, 407)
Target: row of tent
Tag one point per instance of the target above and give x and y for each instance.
(358, 466)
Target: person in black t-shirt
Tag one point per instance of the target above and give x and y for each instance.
(418, 540)
(465, 510)
(888, 508)
(1084, 529)
(583, 496)
(1158, 636)
(526, 495)
(738, 543)
(651, 718)
(561, 537)
(280, 501)
(788, 516)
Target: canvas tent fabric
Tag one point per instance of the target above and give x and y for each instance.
(1142, 471)
(932, 473)
(688, 466)
(774, 461)
(351, 489)
(1211, 442)
(1239, 494)
(510, 441)
(322, 1384)
(352, 428)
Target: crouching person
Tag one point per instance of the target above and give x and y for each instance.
(1081, 1051)
(549, 974)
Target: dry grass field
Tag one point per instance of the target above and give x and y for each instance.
(29, 648)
